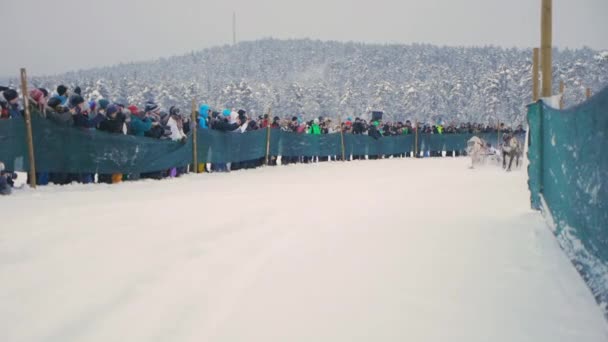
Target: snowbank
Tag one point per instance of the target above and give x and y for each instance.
(390, 250)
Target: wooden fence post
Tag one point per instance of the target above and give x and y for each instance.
(268, 138)
(194, 138)
(562, 89)
(28, 127)
(416, 139)
(546, 45)
(342, 138)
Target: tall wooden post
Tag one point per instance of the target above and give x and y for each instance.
(28, 127)
(546, 21)
(535, 83)
(588, 93)
(562, 89)
(416, 139)
(268, 138)
(194, 138)
(342, 139)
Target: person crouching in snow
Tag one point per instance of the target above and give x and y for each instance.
(6, 181)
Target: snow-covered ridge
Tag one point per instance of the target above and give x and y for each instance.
(312, 78)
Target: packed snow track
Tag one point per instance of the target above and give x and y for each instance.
(388, 250)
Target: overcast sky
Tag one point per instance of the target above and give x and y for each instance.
(62, 35)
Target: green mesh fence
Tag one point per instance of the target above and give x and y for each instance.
(60, 148)
(569, 170)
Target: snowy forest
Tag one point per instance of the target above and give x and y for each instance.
(314, 78)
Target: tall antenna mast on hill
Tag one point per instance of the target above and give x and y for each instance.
(233, 28)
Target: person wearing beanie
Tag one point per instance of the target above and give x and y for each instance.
(12, 98)
(38, 98)
(140, 125)
(81, 120)
(103, 104)
(59, 114)
(175, 126)
(133, 109)
(151, 108)
(53, 103)
(80, 117)
(203, 113)
(113, 123)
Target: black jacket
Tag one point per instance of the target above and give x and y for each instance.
(112, 125)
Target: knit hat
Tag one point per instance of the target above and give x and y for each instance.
(316, 121)
(133, 109)
(151, 107)
(61, 90)
(54, 102)
(112, 109)
(76, 100)
(10, 95)
(226, 112)
(103, 104)
(92, 104)
(173, 110)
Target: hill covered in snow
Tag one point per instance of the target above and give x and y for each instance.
(312, 78)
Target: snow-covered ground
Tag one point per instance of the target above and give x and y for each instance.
(390, 250)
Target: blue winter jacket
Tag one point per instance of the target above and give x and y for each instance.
(204, 114)
(139, 127)
(13, 110)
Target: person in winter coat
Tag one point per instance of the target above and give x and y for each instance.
(12, 100)
(113, 123)
(58, 113)
(80, 117)
(224, 124)
(315, 128)
(175, 125)
(39, 97)
(82, 120)
(62, 94)
(374, 130)
(203, 116)
(102, 105)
